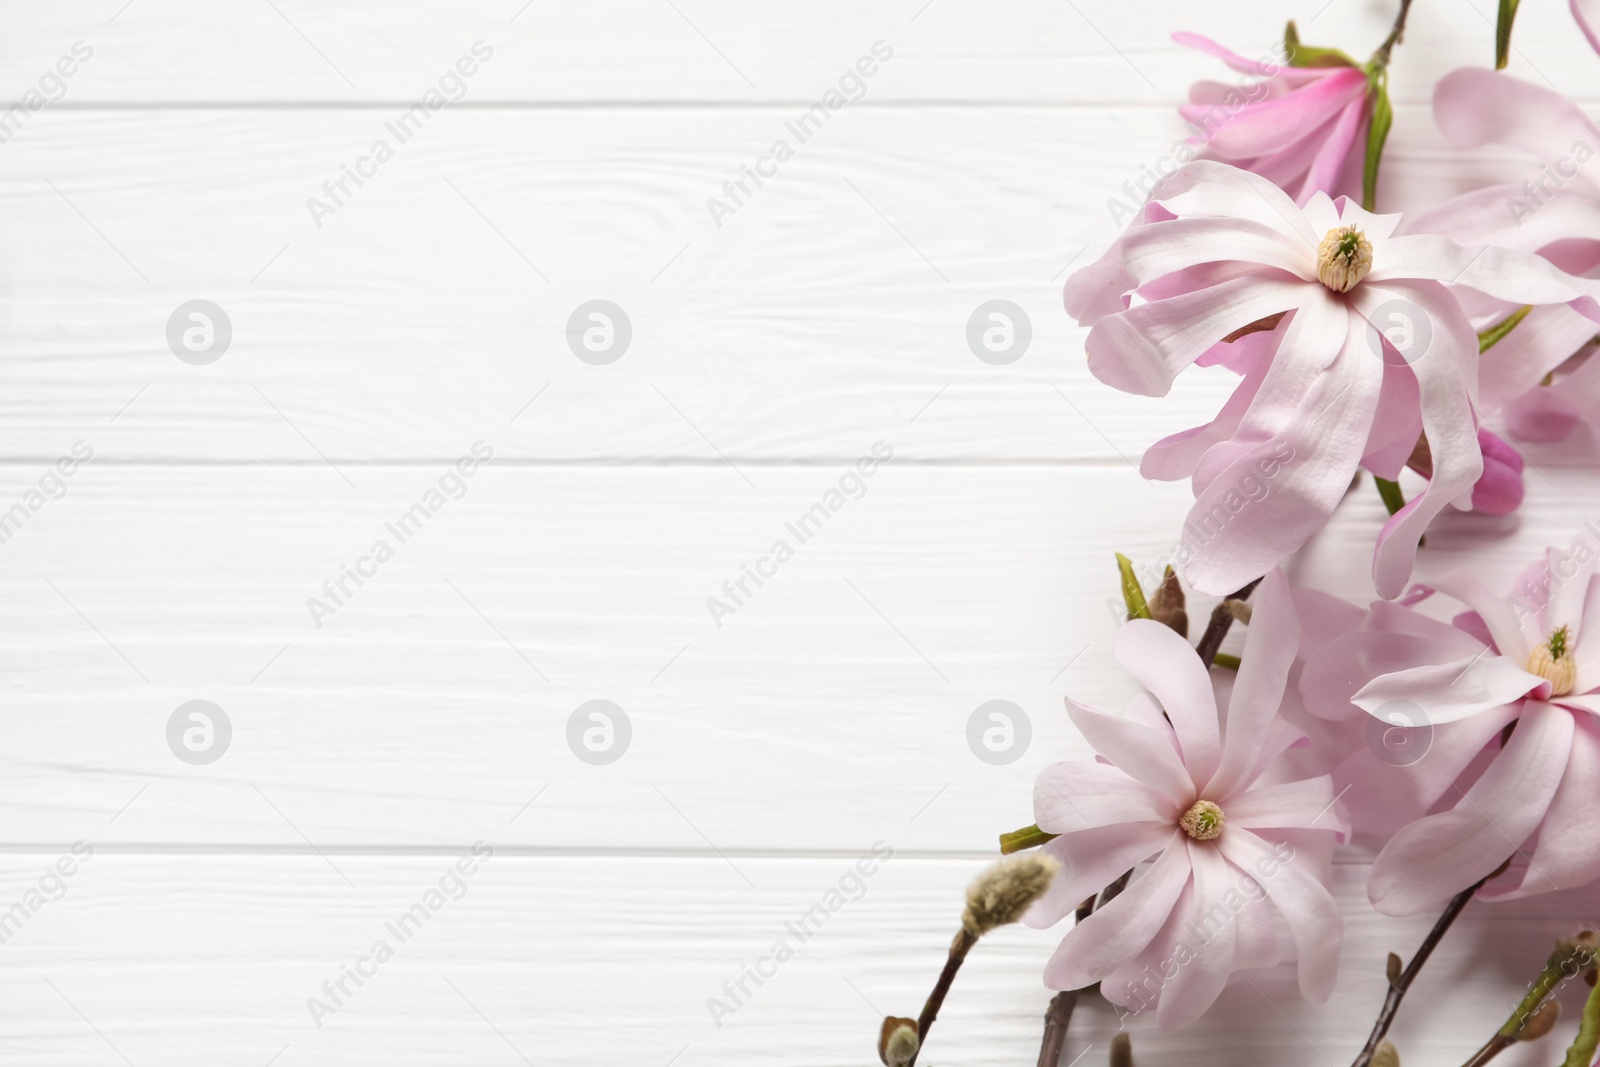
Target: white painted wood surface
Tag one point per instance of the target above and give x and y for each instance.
(429, 712)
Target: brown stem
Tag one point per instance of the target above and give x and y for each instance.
(930, 1011)
(1396, 35)
(1497, 1044)
(1399, 987)
(1063, 1003)
(1055, 1027)
(1221, 620)
(1114, 890)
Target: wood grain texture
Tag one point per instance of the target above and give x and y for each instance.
(432, 308)
(432, 705)
(205, 959)
(720, 51)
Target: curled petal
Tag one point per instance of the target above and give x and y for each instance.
(1449, 692)
(1141, 350)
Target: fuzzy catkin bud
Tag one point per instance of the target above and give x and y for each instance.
(1386, 1055)
(897, 1042)
(1000, 895)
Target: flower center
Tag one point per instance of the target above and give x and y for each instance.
(1553, 662)
(1343, 258)
(1203, 822)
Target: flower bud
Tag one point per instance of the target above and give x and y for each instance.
(1167, 605)
(1387, 1055)
(1000, 895)
(1540, 1022)
(897, 1042)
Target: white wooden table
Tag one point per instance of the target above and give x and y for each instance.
(376, 339)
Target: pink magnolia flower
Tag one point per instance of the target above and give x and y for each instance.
(1233, 842)
(1556, 213)
(1294, 126)
(1220, 249)
(1485, 745)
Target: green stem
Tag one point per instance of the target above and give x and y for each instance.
(1581, 1054)
(1025, 838)
(1497, 333)
(1562, 965)
(1393, 498)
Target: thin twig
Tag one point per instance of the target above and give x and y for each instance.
(1396, 35)
(930, 1010)
(1399, 987)
(1055, 1027)
(1221, 619)
(1570, 959)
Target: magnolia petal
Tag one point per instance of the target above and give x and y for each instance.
(1544, 340)
(1311, 340)
(1090, 860)
(1520, 277)
(1445, 383)
(1587, 653)
(1311, 804)
(1286, 121)
(1514, 638)
(1208, 188)
(1568, 591)
(1174, 458)
(1331, 158)
(1119, 931)
(1449, 692)
(1073, 796)
(1313, 917)
(1270, 648)
(1337, 669)
(1143, 349)
(1541, 415)
(1210, 930)
(1258, 68)
(1402, 772)
(1162, 248)
(1167, 666)
(1279, 492)
(1476, 107)
(1587, 12)
(1139, 751)
(1435, 858)
(1568, 852)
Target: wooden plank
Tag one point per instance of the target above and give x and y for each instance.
(207, 959)
(1097, 52)
(432, 705)
(432, 309)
